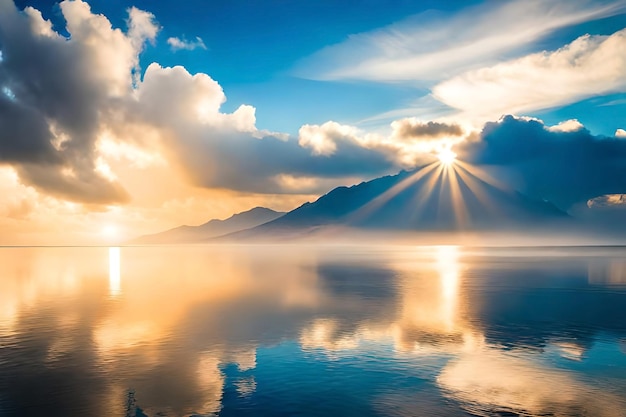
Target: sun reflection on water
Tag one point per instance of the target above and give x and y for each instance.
(448, 270)
(115, 280)
(218, 322)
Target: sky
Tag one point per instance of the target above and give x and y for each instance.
(119, 118)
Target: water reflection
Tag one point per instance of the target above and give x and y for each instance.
(115, 281)
(448, 270)
(494, 382)
(369, 331)
(607, 272)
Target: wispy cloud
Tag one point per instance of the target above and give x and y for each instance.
(434, 47)
(177, 44)
(587, 67)
(617, 102)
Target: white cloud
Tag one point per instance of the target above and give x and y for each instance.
(177, 44)
(110, 53)
(62, 91)
(141, 27)
(620, 133)
(410, 142)
(571, 125)
(589, 66)
(322, 139)
(38, 24)
(432, 47)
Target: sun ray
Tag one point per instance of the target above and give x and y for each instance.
(456, 195)
(482, 175)
(444, 183)
(367, 209)
(424, 192)
(476, 187)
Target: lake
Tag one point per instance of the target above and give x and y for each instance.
(312, 331)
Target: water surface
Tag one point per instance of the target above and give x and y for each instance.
(312, 331)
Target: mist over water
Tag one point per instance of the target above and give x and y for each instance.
(313, 330)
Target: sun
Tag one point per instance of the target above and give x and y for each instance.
(446, 156)
(109, 231)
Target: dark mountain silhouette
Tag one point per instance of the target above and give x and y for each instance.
(426, 200)
(212, 228)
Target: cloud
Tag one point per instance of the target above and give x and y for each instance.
(431, 46)
(562, 166)
(571, 125)
(226, 150)
(141, 27)
(78, 123)
(177, 44)
(411, 128)
(62, 90)
(326, 138)
(609, 200)
(588, 66)
(620, 133)
(72, 104)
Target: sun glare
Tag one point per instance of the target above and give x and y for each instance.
(446, 156)
(109, 231)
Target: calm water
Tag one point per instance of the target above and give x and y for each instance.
(253, 331)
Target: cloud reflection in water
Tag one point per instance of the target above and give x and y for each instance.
(481, 331)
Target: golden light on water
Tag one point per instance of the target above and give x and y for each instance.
(447, 258)
(115, 280)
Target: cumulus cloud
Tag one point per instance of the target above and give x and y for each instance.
(410, 143)
(571, 125)
(141, 27)
(620, 133)
(326, 138)
(75, 104)
(588, 66)
(431, 46)
(226, 150)
(63, 95)
(177, 44)
(565, 167)
(61, 92)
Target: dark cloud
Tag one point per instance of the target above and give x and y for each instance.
(563, 167)
(58, 97)
(242, 162)
(414, 129)
(67, 91)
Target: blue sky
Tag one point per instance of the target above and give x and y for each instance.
(257, 51)
(144, 115)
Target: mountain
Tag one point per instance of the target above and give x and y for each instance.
(212, 228)
(448, 199)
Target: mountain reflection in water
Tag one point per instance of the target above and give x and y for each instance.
(247, 330)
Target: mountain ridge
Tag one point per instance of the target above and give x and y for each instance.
(386, 203)
(210, 229)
